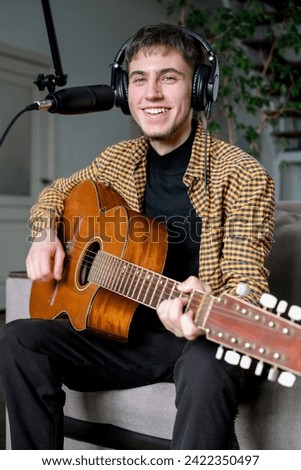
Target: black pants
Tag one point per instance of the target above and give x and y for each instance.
(37, 356)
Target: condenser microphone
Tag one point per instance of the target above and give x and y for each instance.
(77, 100)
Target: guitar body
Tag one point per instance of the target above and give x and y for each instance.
(114, 262)
(97, 218)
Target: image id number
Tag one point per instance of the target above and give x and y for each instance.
(221, 459)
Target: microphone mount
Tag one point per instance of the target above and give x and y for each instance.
(59, 78)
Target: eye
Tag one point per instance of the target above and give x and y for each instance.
(138, 79)
(169, 78)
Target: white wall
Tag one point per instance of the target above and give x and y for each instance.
(89, 34)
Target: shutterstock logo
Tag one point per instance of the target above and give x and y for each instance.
(118, 226)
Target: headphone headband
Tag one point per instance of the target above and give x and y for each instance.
(205, 80)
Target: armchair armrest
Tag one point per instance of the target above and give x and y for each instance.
(17, 296)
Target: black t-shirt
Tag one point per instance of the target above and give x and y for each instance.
(167, 200)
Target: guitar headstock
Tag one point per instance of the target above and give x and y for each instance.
(247, 332)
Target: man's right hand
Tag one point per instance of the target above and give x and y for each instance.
(46, 257)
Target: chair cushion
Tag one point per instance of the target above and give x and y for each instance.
(147, 410)
(270, 417)
(285, 259)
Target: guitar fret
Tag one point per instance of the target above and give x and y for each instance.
(105, 268)
(133, 278)
(122, 271)
(151, 290)
(159, 299)
(101, 274)
(115, 274)
(109, 272)
(125, 280)
(144, 287)
(93, 273)
(171, 295)
(158, 296)
(168, 291)
(99, 271)
(132, 270)
(137, 283)
(124, 277)
(96, 274)
(154, 285)
(130, 280)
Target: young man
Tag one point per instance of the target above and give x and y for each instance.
(218, 205)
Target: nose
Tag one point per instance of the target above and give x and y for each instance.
(153, 89)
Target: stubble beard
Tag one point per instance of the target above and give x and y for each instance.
(160, 137)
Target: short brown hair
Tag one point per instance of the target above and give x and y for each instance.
(169, 36)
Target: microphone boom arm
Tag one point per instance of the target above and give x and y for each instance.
(60, 78)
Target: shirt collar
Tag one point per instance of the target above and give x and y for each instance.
(195, 169)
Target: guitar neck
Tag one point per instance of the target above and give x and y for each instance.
(131, 281)
(142, 285)
(227, 320)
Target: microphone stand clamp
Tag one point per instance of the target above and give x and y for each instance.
(50, 81)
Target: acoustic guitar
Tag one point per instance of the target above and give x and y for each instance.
(114, 262)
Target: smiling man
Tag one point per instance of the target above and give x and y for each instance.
(160, 97)
(218, 206)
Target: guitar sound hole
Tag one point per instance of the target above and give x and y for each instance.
(87, 261)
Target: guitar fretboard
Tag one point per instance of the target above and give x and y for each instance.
(131, 281)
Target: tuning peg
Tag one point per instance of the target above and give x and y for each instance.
(245, 362)
(281, 307)
(268, 300)
(243, 289)
(219, 352)
(287, 379)
(232, 357)
(259, 368)
(273, 374)
(295, 313)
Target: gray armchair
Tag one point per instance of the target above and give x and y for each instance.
(142, 418)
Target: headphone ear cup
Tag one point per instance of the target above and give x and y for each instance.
(121, 91)
(200, 91)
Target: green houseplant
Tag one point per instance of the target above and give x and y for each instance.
(257, 44)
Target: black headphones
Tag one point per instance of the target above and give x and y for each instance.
(204, 85)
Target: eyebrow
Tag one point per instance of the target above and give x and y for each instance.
(161, 72)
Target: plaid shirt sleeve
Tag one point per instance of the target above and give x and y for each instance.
(46, 213)
(238, 228)
(115, 166)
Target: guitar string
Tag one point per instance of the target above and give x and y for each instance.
(220, 309)
(222, 312)
(89, 256)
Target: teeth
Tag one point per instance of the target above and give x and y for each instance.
(156, 110)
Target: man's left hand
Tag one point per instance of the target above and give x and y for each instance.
(172, 312)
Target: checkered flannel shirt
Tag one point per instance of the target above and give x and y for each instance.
(237, 207)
